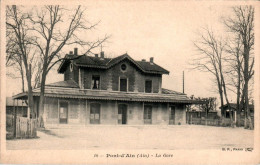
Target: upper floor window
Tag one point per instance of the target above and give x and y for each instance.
(95, 82)
(123, 84)
(148, 86)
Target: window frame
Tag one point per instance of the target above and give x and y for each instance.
(125, 67)
(119, 84)
(151, 85)
(92, 84)
(61, 101)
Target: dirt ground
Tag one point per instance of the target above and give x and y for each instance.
(135, 137)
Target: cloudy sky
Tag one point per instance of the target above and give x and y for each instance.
(160, 29)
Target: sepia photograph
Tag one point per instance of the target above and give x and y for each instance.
(129, 82)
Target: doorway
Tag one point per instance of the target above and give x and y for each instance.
(63, 113)
(172, 115)
(94, 113)
(122, 114)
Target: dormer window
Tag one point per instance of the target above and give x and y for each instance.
(95, 82)
(123, 67)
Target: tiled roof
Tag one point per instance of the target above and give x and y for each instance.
(168, 91)
(11, 102)
(106, 63)
(64, 84)
(110, 95)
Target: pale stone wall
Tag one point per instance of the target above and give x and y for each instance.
(180, 114)
(79, 112)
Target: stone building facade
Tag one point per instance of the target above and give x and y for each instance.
(113, 91)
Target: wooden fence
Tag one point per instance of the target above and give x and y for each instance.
(26, 128)
(211, 122)
(9, 120)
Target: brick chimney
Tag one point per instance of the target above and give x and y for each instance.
(102, 54)
(151, 60)
(143, 60)
(96, 55)
(76, 51)
(71, 53)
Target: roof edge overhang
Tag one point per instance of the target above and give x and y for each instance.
(23, 96)
(103, 67)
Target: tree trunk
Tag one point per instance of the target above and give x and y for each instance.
(42, 99)
(248, 122)
(228, 104)
(238, 94)
(30, 93)
(221, 100)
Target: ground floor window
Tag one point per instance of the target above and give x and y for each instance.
(63, 113)
(122, 114)
(94, 113)
(147, 114)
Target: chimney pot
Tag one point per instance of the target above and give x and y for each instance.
(151, 60)
(96, 55)
(71, 52)
(102, 54)
(143, 60)
(76, 51)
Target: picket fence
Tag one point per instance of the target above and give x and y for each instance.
(26, 128)
(211, 122)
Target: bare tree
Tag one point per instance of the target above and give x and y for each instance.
(242, 23)
(16, 25)
(50, 38)
(235, 61)
(211, 59)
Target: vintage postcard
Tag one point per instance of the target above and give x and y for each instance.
(130, 82)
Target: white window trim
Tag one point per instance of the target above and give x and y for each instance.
(126, 84)
(122, 69)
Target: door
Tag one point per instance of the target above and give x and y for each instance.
(94, 113)
(147, 114)
(172, 115)
(63, 113)
(122, 114)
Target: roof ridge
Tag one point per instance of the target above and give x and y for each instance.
(89, 61)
